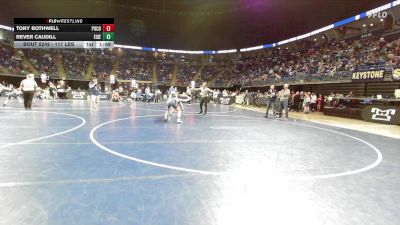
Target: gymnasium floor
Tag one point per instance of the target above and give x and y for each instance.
(62, 164)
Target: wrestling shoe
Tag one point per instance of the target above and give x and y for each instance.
(167, 118)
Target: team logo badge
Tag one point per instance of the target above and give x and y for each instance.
(383, 115)
(78, 94)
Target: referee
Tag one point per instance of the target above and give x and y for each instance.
(204, 90)
(28, 87)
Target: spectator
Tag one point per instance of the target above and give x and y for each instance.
(284, 101)
(271, 94)
(307, 101)
(296, 101)
(313, 102)
(320, 101)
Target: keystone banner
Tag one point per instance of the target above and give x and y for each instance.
(368, 75)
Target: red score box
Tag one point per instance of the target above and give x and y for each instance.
(108, 27)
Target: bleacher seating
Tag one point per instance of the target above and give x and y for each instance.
(307, 61)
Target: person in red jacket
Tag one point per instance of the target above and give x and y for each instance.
(319, 102)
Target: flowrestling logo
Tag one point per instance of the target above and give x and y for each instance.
(382, 115)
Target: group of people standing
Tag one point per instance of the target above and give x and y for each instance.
(31, 92)
(282, 97)
(284, 101)
(306, 102)
(280, 101)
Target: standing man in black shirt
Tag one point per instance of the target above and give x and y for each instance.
(94, 91)
(271, 100)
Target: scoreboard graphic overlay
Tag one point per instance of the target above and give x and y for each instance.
(64, 32)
